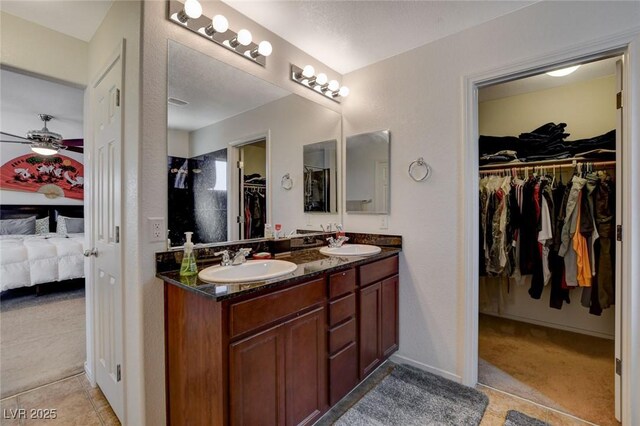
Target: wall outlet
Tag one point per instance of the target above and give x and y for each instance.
(384, 222)
(157, 231)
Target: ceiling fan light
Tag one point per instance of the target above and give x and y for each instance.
(45, 150)
(563, 72)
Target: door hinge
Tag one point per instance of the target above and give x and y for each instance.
(239, 219)
(118, 373)
(117, 234)
(619, 233)
(619, 100)
(618, 367)
(117, 97)
(240, 164)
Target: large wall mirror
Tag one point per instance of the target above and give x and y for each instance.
(231, 137)
(320, 177)
(367, 173)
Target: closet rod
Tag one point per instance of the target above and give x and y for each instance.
(557, 163)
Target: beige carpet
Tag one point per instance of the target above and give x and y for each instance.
(567, 371)
(42, 339)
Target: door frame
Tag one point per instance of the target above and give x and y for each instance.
(627, 45)
(118, 54)
(233, 156)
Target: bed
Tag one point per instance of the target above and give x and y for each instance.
(53, 254)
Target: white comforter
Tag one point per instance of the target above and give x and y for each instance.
(27, 260)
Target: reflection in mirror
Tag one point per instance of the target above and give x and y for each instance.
(219, 116)
(319, 171)
(367, 173)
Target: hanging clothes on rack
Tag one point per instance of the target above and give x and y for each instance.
(540, 231)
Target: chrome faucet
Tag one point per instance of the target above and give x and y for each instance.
(337, 242)
(240, 256)
(226, 260)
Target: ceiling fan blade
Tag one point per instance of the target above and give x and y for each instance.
(78, 149)
(73, 142)
(8, 137)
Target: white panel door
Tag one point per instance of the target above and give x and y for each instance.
(107, 135)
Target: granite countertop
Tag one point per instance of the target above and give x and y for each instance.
(311, 263)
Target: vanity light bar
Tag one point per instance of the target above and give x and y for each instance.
(189, 15)
(319, 82)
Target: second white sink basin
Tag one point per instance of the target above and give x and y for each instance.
(351, 250)
(252, 270)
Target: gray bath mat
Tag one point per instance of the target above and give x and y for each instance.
(409, 396)
(516, 418)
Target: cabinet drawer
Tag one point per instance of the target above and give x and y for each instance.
(341, 309)
(376, 271)
(343, 373)
(262, 310)
(342, 283)
(342, 335)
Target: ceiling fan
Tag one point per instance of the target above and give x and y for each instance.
(44, 141)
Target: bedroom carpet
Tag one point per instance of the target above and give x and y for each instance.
(567, 371)
(42, 339)
(408, 396)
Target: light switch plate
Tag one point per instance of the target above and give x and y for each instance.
(157, 230)
(384, 222)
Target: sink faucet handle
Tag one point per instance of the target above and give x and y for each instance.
(226, 261)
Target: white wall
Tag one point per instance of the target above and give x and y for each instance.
(419, 97)
(588, 108)
(123, 23)
(36, 49)
(178, 143)
(157, 30)
(293, 122)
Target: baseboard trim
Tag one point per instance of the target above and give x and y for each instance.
(399, 359)
(89, 375)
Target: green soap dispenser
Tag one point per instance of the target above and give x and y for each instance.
(188, 267)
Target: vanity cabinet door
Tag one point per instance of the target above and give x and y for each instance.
(389, 321)
(370, 339)
(306, 371)
(257, 379)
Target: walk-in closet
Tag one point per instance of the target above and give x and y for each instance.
(549, 201)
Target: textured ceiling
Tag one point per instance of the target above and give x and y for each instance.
(213, 89)
(75, 18)
(348, 35)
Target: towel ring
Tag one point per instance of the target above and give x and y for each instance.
(286, 182)
(419, 170)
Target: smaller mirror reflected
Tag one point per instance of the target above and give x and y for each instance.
(320, 177)
(367, 173)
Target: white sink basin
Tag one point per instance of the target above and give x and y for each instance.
(351, 250)
(252, 270)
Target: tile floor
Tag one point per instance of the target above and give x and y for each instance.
(500, 403)
(75, 402)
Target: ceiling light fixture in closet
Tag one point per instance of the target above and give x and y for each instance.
(563, 72)
(189, 15)
(320, 83)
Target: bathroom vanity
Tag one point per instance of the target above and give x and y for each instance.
(281, 351)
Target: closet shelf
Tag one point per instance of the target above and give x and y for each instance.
(568, 162)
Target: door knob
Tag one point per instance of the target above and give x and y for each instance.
(92, 252)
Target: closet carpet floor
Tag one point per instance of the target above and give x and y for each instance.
(567, 371)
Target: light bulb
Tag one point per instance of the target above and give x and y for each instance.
(344, 91)
(563, 72)
(44, 150)
(220, 24)
(193, 9)
(308, 71)
(265, 48)
(244, 37)
(333, 85)
(321, 79)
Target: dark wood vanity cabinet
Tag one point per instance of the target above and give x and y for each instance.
(378, 313)
(278, 356)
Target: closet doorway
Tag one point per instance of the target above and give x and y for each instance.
(252, 205)
(549, 292)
